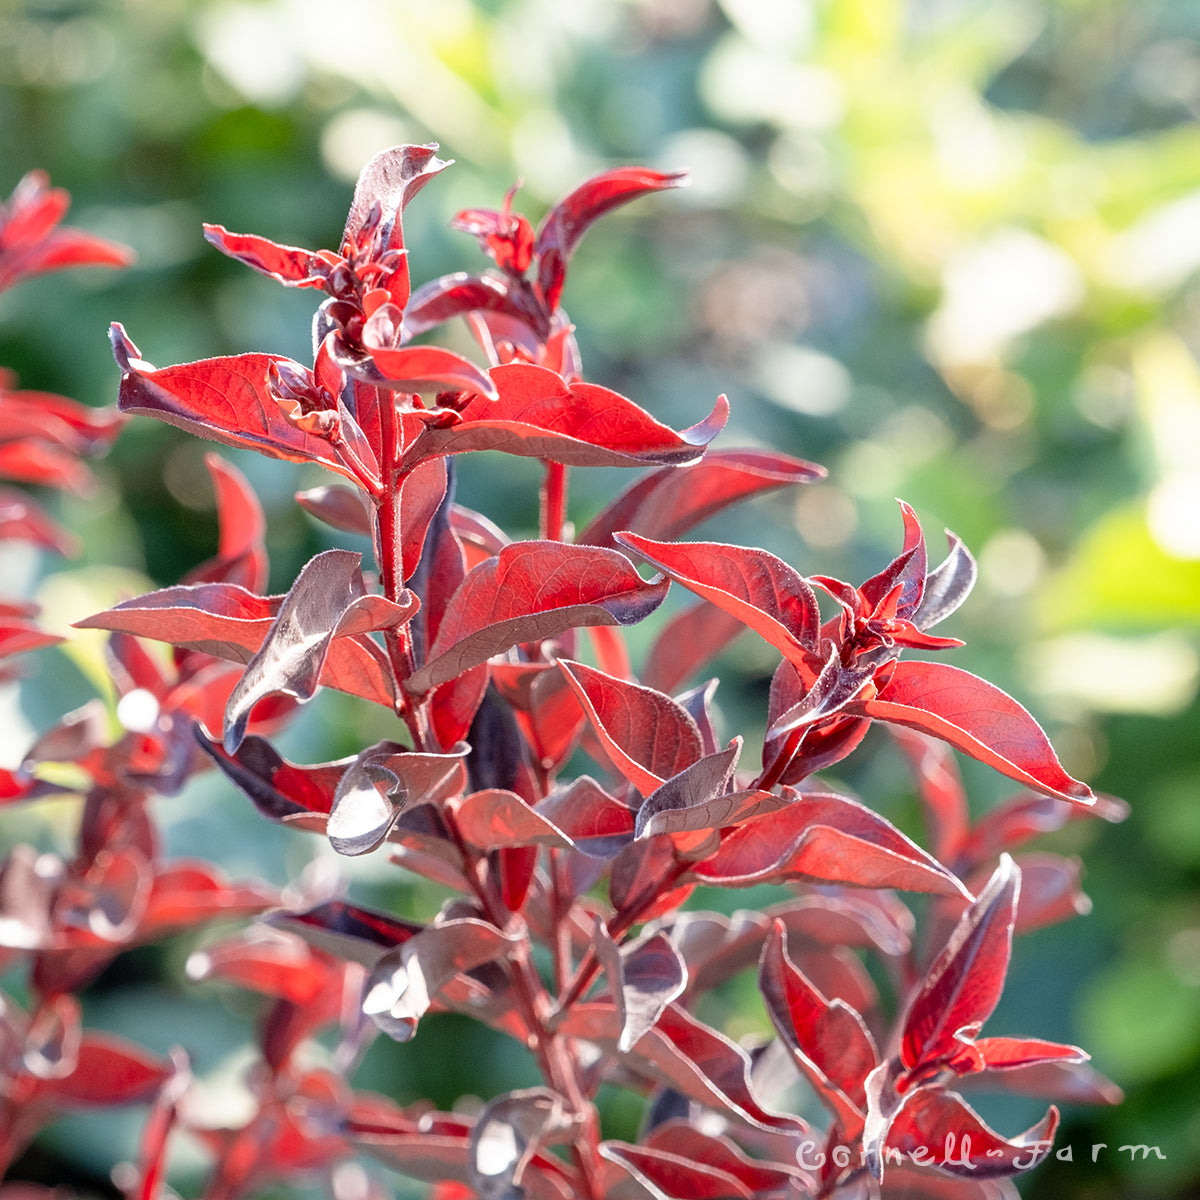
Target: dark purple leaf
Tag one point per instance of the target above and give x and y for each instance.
(946, 586)
(404, 982)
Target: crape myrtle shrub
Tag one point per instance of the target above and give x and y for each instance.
(566, 805)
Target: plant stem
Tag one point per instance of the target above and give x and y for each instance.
(554, 501)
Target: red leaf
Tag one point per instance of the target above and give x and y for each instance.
(570, 218)
(495, 818)
(828, 1039)
(963, 985)
(184, 893)
(347, 931)
(231, 400)
(693, 1058)
(646, 734)
(826, 837)
(327, 601)
(110, 1070)
(384, 189)
(531, 591)
(30, 243)
(22, 520)
(1005, 1053)
(458, 294)
(762, 591)
(241, 554)
(666, 503)
(288, 264)
(340, 507)
(596, 822)
(977, 718)
(538, 415)
(938, 1128)
(665, 1175)
(422, 368)
(278, 788)
(940, 789)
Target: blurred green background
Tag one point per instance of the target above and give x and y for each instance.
(948, 248)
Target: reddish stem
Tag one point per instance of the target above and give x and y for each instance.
(554, 501)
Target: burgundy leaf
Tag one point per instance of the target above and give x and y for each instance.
(828, 1039)
(829, 837)
(705, 780)
(977, 718)
(328, 600)
(644, 977)
(666, 503)
(369, 798)
(531, 591)
(963, 985)
(386, 185)
(647, 735)
(946, 586)
(762, 591)
(347, 931)
(278, 788)
(537, 414)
